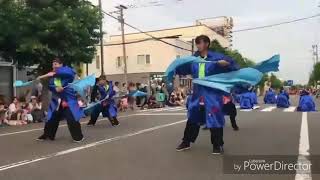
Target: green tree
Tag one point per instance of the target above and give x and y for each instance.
(235, 54)
(10, 33)
(315, 75)
(275, 82)
(43, 29)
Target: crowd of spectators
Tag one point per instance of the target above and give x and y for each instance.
(157, 95)
(24, 109)
(29, 109)
(21, 111)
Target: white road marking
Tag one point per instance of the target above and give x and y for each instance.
(166, 109)
(161, 114)
(176, 109)
(246, 110)
(304, 150)
(147, 110)
(268, 109)
(97, 143)
(290, 109)
(162, 109)
(84, 122)
(256, 107)
(63, 125)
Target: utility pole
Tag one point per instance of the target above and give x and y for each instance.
(121, 20)
(315, 53)
(315, 58)
(101, 39)
(192, 46)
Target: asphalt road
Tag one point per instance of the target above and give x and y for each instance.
(143, 147)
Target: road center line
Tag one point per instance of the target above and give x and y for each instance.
(63, 125)
(84, 122)
(304, 150)
(97, 143)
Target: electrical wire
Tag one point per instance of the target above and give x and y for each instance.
(153, 37)
(235, 31)
(276, 24)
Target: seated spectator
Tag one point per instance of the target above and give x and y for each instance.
(16, 113)
(174, 100)
(37, 112)
(123, 105)
(160, 99)
(3, 114)
(27, 109)
(152, 102)
(180, 98)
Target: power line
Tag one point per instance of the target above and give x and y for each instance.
(235, 31)
(142, 40)
(156, 38)
(277, 24)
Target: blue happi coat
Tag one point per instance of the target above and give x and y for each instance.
(64, 75)
(283, 100)
(306, 103)
(270, 97)
(254, 97)
(246, 100)
(108, 105)
(212, 98)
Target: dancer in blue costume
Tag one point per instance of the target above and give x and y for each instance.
(107, 106)
(246, 100)
(254, 95)
(283, 99)
(306, 103)
(205, 104)
(64, 104)
(270, 97)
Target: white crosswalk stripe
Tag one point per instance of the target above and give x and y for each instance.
(268, 109)
(246, 110)
(256, 108)
(176, 109)
(290, 109)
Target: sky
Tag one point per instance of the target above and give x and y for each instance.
(292, 41)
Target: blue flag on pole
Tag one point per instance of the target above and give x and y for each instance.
(226, 81)
(19, 83)
(80, 85)
(269, 65)
(137, 93)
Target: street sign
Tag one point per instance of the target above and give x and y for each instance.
(289, 82)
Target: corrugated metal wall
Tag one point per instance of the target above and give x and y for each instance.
(6, 82)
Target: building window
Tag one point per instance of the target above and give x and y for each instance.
(98, 62)
(144, 59)
(120, 61)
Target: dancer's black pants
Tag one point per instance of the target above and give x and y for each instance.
(191, 133)
(230, 109)
(96, 112)
(52, 125)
